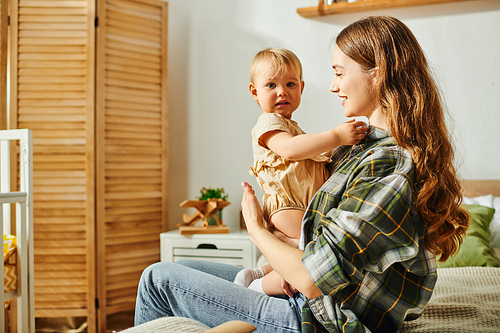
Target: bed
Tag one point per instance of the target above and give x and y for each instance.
(18, 241)
(467, 293)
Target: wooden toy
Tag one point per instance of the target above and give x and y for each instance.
(205, 209)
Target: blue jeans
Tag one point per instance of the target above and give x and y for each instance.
(204, 291)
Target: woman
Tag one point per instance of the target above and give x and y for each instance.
(370, 236)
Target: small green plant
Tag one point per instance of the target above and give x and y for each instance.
(212, 193)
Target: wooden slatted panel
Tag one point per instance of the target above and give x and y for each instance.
(55, 87)
(131, 131)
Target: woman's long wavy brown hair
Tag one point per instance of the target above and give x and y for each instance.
(414, 110)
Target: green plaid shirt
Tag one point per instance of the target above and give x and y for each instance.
(363, 242)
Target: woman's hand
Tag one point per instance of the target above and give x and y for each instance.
(252, 212)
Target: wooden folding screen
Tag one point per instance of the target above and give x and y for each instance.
(53, 57)
(131, 146)
(93, 90)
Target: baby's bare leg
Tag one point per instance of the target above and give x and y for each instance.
(287, 224)
(266, 269)
(271, 284)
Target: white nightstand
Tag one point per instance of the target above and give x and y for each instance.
(233, 248)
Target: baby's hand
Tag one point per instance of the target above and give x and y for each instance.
(288, 289)
(351, 132)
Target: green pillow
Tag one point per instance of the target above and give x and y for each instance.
(475, 249)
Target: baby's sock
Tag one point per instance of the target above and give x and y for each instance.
(247, 275)
(257, 285)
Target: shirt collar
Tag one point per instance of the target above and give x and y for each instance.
(375, 134)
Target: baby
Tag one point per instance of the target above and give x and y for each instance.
(289, 165)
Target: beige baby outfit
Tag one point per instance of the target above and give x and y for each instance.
(287, 184)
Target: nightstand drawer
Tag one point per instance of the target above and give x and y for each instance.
(233, 257)
(188, 252)
(233, 248)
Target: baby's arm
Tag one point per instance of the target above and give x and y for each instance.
(305, 146)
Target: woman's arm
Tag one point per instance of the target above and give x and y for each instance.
(285, 260)
(305, 146)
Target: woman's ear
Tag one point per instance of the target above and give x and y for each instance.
(253, 91)
(302, 85)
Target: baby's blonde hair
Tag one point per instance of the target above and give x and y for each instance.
(281, 59)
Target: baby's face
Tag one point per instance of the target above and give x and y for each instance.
(278, 91)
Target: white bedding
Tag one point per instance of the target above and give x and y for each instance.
(465, 299)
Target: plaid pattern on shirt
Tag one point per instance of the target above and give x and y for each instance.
(363, 242)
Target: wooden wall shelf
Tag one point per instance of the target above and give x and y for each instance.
(364, 5)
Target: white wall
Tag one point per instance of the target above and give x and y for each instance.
(211, 112)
